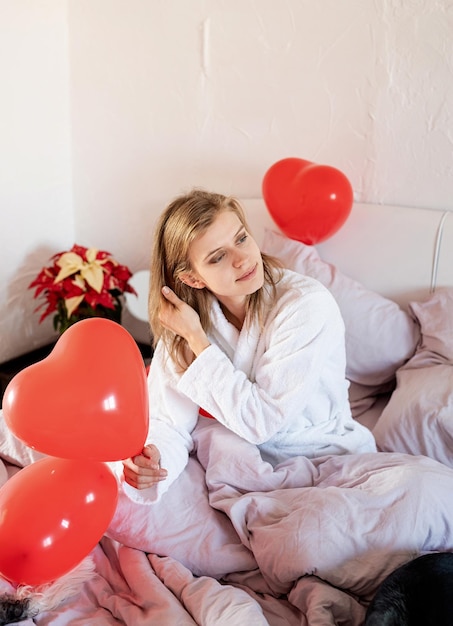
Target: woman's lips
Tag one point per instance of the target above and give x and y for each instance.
(248, 275)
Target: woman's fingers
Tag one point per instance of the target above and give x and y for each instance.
(144, 470)
(170, 295)
(152, 453)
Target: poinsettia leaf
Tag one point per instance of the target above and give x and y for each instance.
(70, 263)
(91, 254)
(39, 290)
(51, 307)
(79, 283)
(105, 256)
(130, 289)
(72, 304)
(94, 276)
(70, 258)
(104, 299)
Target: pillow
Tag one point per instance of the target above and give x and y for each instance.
(419, 416)
(435, 317)
(418, 419)
(380, 336)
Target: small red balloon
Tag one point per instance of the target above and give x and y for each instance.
(53, 513)
(308, 202)
(87, 400)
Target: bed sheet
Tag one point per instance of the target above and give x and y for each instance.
(316, 539)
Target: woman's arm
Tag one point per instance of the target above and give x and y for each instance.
(302, 339)
(173, 416)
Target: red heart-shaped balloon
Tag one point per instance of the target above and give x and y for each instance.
(308, 202)
(53, 513)
(87, 400)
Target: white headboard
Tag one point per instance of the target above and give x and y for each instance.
(400, 252)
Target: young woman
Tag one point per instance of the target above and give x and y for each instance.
(259, 348)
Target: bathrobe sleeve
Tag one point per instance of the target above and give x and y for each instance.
(173, 416)
(301, 345)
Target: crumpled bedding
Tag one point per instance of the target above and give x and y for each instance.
(418, 418)
(236, 541)
(346, 519)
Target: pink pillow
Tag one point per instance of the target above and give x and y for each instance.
(380, 336)
(435, 317)
(419, 416)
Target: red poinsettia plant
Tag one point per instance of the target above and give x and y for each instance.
(80, 283)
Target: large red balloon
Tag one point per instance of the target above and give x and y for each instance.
(308, 202)
(53, 513)
(87, 400)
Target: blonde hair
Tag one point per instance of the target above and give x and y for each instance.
(182, 221)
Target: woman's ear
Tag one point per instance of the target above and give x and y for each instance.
(191, 281)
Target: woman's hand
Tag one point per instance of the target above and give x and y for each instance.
(144, 470)
(180, 318)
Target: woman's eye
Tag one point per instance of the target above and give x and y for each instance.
(218, 258)
(242, 238)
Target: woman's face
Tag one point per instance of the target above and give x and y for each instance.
(226, 260)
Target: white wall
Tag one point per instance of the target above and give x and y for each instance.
(36, 216)
(168, 94)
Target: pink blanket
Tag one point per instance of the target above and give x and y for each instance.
(236, 541)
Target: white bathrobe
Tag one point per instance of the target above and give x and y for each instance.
(281, 387)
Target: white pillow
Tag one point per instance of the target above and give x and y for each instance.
(380, 336)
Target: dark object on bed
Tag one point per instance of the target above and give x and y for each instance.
(27, 601)
(13, 610)
(419, 593)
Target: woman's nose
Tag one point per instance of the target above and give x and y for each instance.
(239, 259)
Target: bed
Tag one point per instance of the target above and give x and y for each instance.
(307, 543)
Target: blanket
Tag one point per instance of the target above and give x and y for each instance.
(236, 541)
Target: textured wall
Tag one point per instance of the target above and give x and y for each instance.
(122, 105)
